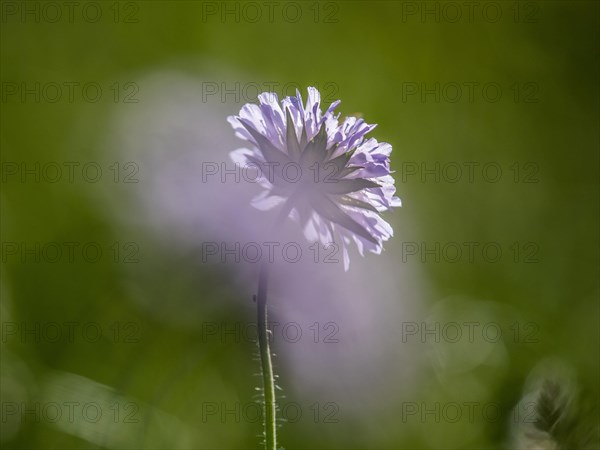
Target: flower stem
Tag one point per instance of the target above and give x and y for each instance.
(265, 358)
(263, 338)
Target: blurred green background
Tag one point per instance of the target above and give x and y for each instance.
(540, 128)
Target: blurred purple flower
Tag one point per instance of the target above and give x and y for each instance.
(326, 175)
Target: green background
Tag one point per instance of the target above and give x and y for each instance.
(544, 57)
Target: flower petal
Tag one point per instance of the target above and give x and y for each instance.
(340, 187)
(330, 211)
(268, 150)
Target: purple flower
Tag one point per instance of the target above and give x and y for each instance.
(324, 174)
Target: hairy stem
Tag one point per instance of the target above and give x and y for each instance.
(265, 358)
(263, 338)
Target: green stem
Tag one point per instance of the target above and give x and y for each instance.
(263, 338)
(265, 358)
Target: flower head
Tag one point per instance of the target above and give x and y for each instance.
(323, 173)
